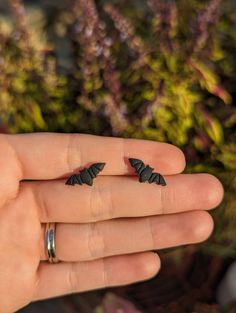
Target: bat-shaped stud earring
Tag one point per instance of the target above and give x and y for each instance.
(146, 174)
(86, 176)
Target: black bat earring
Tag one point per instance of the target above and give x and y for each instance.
(145, 173)
(86, 176)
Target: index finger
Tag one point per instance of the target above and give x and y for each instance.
(54, 155)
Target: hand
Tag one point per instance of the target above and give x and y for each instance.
(104, 232)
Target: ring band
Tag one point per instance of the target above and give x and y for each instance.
(50, 242)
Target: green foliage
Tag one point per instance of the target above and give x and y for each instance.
(160, 70)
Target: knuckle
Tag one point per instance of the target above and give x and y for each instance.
(111, 206)
(151, 232)
(73, 278)
(73, 152)
(101, 204)
(104, 270)
(96, 241)
(96, 203)
(162, 200)
(169, 198)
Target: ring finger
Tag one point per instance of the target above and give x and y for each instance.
(84, 242)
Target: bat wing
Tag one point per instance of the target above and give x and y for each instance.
(72, 180)
(161, 180)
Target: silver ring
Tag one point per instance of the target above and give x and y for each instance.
(50, 242)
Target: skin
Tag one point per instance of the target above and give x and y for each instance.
(105, 233)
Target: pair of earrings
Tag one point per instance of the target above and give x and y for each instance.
(145, 173)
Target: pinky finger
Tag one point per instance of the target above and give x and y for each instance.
(65, 278)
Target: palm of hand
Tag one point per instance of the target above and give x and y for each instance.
(20, 236)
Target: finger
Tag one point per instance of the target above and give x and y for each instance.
(114, 197)
(64, 278)
(52, 155)
(97, 240)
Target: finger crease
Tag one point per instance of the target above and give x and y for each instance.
(162, 200)
(70, 153)
(111, 204)
(151, 232)
(96, 203)
(104, 273)
(96, 242)
(72, 278)
(123, 153)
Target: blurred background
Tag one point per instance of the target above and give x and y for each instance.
(160, 70)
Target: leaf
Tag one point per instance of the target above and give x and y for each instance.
(211, 126)
(215, 131)
(37, 116)
(221, 93)
(228, 156)
(209, 80)
(148, 94)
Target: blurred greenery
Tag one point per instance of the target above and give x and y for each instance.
(160, 70)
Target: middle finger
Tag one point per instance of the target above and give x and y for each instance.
(115, 197)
